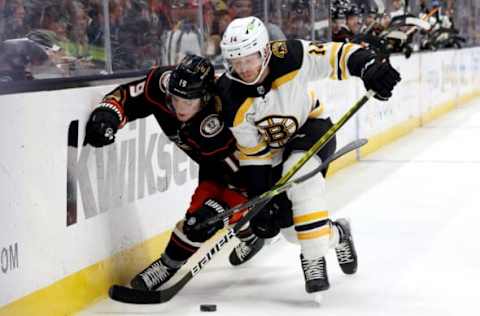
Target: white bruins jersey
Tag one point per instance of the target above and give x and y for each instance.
(263, 117)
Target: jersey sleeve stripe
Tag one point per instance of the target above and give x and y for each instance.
(333, 54)
(242, 110)
(339, 56)
(343, 60)
(284, 79)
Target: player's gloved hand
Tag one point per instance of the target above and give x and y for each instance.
(101, 127)
(264, 224)
(378, 75)
(194, 231)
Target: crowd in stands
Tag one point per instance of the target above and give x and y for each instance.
(65, 38)
(398, 28)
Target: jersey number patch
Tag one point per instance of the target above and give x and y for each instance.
(316, 49)
(276, 130)
(137, 89)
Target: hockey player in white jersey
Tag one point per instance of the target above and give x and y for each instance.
(268, 108)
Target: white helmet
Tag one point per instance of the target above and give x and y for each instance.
(243, 37)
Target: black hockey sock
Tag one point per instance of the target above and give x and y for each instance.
(246, 235)
(178, 250)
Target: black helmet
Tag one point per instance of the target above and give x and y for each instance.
(193, 78)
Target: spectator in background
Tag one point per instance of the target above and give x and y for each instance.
(17, 57)
(55, 18)
(2, 21)
(86, 57)
(298, 24)
(244, 8)
(14, 19)
(337, 14)
(185, 37)
(347, 31)
(398, 8)
(220, 23)
(136, 48)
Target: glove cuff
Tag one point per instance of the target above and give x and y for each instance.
(115, 107)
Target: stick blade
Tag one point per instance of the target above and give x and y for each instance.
(125, 294)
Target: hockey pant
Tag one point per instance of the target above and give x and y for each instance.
(179, 248)
(311, 227)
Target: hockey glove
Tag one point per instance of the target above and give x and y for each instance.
(101, 127)
(264, 224)
(191, 227)
(381, 77)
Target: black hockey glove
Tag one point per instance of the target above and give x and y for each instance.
(381, 77)
(101, 127)
(265, 224)
(209, 209)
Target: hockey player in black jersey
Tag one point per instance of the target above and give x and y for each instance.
(269, 110)
(182, 101)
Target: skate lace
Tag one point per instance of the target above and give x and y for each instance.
(155, 274)
(243, 250)
(344, 252)
(314, 269)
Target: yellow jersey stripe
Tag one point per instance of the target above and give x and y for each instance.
(242, 110)
(315, 216)
(333, 58)
(317, 111)
(267, 156)
(324, 231)
(284, 79)
(252, 150)
(343, 60)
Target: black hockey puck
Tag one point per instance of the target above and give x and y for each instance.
(208, 308)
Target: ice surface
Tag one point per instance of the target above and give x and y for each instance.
(415, 211)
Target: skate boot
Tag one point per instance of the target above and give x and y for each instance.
(154, 276)
(315, 272)
(346, 254)
(245, 250)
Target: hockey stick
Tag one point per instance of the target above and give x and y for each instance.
(129, 295)
(282, 188)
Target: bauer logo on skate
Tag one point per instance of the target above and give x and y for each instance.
(123, 172)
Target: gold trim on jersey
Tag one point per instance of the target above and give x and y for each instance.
(243, 157)
(333, 57)
(252, 150)
(306, 218)
(317, 111)
(284, 79)
(324, 231)
(343, 60)
(242, 110)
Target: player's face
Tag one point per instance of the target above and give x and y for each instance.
(247, 67)
(185, 109)
(353, 23)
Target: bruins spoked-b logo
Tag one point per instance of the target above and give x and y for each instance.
(279, 49)
(277, 129)
(211, 126)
